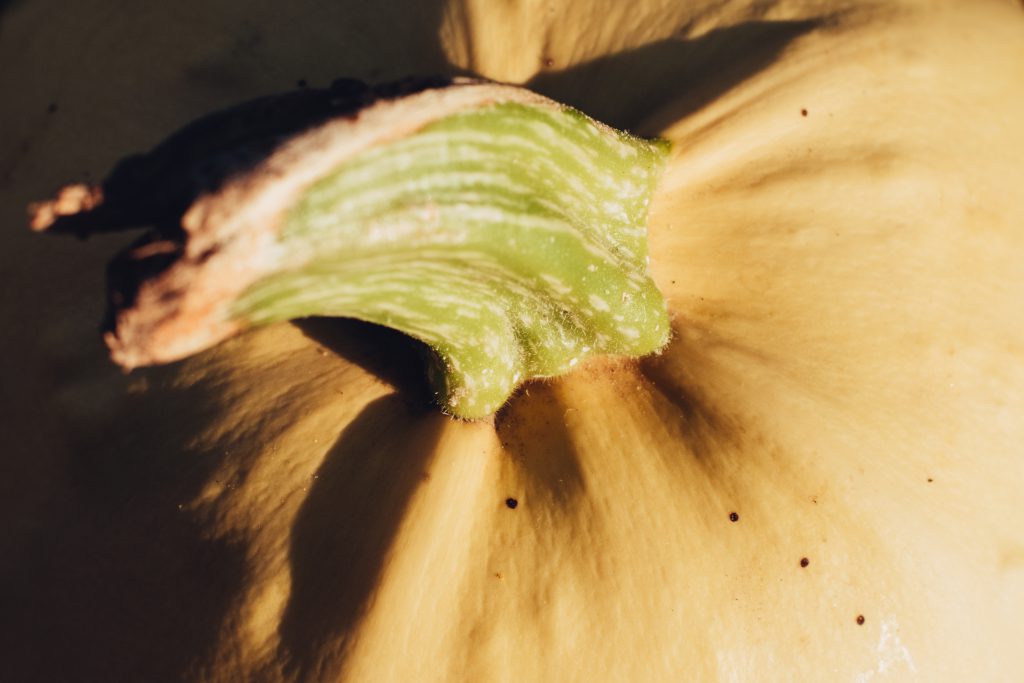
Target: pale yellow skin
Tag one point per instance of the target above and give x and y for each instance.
(847, 374)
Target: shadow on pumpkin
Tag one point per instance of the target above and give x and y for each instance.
(345, 528)
(535, 428)
(122, 582)
(531, 429)
(391, 356)
(682, 75)
(683, 377)
(116, 582)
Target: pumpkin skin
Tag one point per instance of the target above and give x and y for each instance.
(846, 291)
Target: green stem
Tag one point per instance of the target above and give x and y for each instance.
(509, 236)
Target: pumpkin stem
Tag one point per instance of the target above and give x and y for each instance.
(504, 230)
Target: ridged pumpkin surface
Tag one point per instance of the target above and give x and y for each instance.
(839, 234)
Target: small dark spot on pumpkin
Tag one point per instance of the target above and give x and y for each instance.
(512, 503)
(52, 109)
(804, 562)
(930, 480)
(860, 620)
(301, 82)
(548, 62)
(803, 112)
(733, 517)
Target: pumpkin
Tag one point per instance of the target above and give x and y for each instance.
(818, 479)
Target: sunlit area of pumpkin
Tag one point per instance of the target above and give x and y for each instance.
(818, 478)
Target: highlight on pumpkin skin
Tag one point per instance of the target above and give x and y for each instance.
(502, 229)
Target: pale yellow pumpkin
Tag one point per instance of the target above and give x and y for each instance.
(840, 237)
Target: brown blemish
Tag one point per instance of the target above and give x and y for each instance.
(734, 517)
(512, 503)
(803, 112)
(804, 561)
(860, 620)
(930, 480)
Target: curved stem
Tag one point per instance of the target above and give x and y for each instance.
(505, 231)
